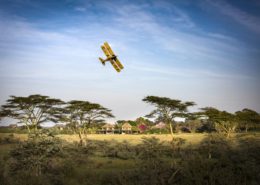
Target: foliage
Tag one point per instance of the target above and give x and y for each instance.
(31, 111)
(121, 122)
(35, 154)
(31, 161)
(216, 160)
(157, 131)
(167, 109)
(142, 128)
(193, 125)
(20, 130)
(223, 121)
(78, 115)
(226, 127)
(144, 121)
(247, 118)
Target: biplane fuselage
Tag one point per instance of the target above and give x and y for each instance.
(111, 57)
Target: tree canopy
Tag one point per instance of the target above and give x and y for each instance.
(32, 110)
(247, 118)
(167, 109)
(221, 121)
(216, 115)
(79, 115)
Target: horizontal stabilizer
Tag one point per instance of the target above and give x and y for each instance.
(102, 61)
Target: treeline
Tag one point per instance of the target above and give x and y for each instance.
(81, 117)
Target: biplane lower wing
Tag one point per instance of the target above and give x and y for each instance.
(119, 63)
(117, 68)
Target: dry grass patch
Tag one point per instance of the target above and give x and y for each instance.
(136, 139)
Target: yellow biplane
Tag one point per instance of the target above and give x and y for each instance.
(111, 57)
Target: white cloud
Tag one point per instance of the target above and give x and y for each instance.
(212, 48)
(64, 62)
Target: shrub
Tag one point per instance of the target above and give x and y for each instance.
(34, 157)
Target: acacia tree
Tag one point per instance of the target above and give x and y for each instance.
(167, 109)
(224, 122)
(79, 115)
(31, 111)
(247, 118)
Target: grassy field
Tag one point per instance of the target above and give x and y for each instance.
(131, 159)
(132, 139)
(136, 139)
(190, 138)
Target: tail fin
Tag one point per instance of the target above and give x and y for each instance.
(102, 61)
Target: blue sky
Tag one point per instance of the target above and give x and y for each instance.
(204, 51)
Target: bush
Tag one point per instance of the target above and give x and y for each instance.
(33, 158)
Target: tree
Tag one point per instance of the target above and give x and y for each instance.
(79, 115)
(193, 125)
(247, 118)
(227, 123)
(2, 115)
(167, 109)
(31, 111)
(131, 122)
(144, 121)
(224, 122)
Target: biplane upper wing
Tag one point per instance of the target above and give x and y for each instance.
(118, 63)
(109, 49)
(105, 51)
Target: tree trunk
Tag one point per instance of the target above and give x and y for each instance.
(35, 128)
(28, 128)
(171, 130)
(228, 134)
(246, 128)
(85, 132)
(80, 138)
